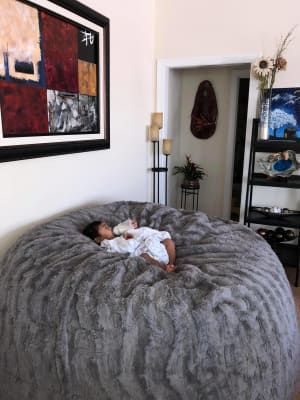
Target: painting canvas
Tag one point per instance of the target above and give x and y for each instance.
(54, 76)
(285, 114)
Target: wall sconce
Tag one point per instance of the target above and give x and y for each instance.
(156, 125)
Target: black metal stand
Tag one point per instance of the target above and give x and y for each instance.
(249, 191)
(157, 170)
(185, 192)
(298, 259)
(154, 170)
(166, 180)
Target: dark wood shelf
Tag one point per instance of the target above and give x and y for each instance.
(293, 182)
(289, 221)
(273, 145)
(276, 145)
(285, 245)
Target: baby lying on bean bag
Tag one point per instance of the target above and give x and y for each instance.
(155, 246)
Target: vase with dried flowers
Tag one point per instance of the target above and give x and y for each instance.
(265, 70)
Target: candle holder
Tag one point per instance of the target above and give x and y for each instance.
(157, 123)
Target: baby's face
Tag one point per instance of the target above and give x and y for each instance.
(105, 231)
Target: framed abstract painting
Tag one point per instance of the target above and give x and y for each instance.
(285, 114)
(54, 79)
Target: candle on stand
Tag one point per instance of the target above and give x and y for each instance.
(154, 133)
(157, 119)
(167, 146)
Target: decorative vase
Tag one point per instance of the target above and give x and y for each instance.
(191, 184)
(265, 114)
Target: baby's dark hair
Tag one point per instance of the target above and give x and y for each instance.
(91, 230)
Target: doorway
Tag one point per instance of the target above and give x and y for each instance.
(169, 102)
(239, 148)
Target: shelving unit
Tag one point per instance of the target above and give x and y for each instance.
(286, 251)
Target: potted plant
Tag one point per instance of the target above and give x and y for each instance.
(191, 172)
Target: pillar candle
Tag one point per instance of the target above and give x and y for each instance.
(154, 133)
(157, 119)
(167, 146)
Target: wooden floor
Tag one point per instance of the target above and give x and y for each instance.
(296, 293)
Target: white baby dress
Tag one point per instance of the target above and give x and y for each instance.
(144, 240)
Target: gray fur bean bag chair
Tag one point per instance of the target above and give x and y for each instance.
(78, 323)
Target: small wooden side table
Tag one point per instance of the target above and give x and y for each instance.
(185, 193)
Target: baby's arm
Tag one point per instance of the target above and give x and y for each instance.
(171, 250)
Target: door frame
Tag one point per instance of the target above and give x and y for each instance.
(236, 75)
(164, 68)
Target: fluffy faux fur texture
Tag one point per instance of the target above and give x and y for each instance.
(79, 323)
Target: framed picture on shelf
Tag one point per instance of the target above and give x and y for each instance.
(54, 79)
(285, 114)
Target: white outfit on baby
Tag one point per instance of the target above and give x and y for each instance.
(144, 240)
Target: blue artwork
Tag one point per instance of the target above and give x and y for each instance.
(285, 114)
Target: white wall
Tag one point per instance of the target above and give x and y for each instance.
(35, 190)
(197, 28)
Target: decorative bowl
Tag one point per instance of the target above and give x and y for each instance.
(278, 235)
(282, 164)
(280, 212)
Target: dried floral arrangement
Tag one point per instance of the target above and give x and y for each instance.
(265, 68)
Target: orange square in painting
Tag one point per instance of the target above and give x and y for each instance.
(87, 78)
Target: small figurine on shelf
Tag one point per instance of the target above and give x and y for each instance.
(275, 210)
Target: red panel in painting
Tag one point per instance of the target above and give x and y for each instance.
(60, 50)
(23, 110)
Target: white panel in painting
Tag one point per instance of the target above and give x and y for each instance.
(20, 52)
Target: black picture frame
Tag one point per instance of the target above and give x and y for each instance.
(54, 148)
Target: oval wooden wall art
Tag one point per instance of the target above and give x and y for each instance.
(205, 111)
